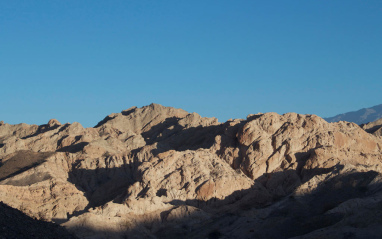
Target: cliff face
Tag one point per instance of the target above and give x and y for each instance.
(161, 172)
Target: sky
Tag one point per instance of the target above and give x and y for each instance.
(80, 60)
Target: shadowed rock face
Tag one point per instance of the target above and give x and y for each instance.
(374, 127)
(15, 224)
(161, 172)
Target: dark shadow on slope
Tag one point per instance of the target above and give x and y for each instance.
(106, 119)
(293, 216)
(171, 135)
(253, 117)
(75, 148)
(21, 161)
(297, 215)
(301, 215)
(129, 111)
(62, 128)
(104, 184)
(28, 180)
(373, 129)
(42, 129)
(308, 174)
(15, 224)
(282, 179)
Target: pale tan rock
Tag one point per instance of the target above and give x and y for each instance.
(276, 141)
(47, 200)
(53, 122)
(374, 127)
(150, 168)
(138, 120)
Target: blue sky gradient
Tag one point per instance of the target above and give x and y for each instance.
(82, 60)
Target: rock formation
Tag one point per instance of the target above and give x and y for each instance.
(161, 172)
(374, 127)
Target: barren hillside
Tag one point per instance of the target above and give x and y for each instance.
(161, 172)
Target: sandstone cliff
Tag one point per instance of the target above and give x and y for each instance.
(161, 172)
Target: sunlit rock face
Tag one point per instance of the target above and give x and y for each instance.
(161, 172)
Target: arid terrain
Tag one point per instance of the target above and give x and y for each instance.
(161, 172)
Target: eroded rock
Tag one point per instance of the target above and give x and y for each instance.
(158, 171)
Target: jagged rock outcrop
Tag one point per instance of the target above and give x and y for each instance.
(374, 127)
(161, 172)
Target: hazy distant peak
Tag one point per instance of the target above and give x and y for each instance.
(361, 116)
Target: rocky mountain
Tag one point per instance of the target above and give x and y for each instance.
(361, 116)
(161, 172)
(374, 127)
(14, 224)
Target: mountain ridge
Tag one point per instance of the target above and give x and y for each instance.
(362, 116)
(161, 172)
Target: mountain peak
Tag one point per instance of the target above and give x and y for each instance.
(361, 116)
(161, 172)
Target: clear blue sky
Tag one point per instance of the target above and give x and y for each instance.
(77, 60)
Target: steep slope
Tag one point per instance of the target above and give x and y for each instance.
(374, 127)
(361, 116)
(160, 172)
(15, 224)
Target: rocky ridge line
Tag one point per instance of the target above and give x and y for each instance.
(158, 172)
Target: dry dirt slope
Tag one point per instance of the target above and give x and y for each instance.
(161, 172)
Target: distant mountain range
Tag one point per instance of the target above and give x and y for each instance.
(361, 116)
